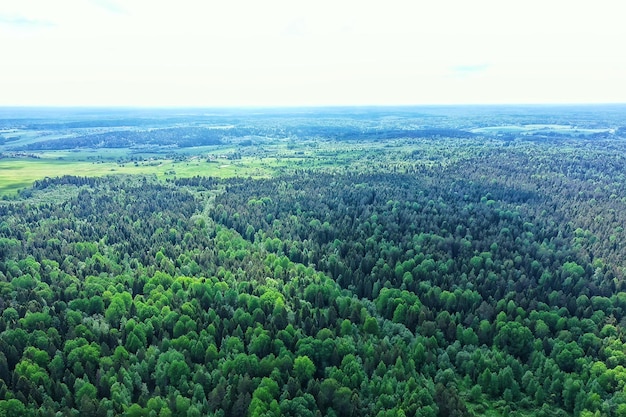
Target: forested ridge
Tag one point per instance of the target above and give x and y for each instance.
(491, 285)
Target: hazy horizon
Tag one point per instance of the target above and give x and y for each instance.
(311, 106)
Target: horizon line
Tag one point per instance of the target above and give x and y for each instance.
(304, 106)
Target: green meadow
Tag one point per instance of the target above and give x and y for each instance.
(19, 171)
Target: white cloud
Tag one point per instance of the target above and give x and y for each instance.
(243, 52)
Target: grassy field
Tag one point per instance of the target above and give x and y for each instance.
(19, 171)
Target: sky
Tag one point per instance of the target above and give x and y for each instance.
(194, 53)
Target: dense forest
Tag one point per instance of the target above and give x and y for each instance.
(183, 137)
(491, 283)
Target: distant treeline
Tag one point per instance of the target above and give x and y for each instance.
(357, 134)
(86, 124)
(182, 137)
(66, 180)
(190, 136)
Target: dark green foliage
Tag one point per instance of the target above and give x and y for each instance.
(514, 338)
(123, 139)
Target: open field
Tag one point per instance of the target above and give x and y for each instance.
(16, 174)
(270, 159)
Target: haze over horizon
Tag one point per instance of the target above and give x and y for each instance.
(285, 53)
